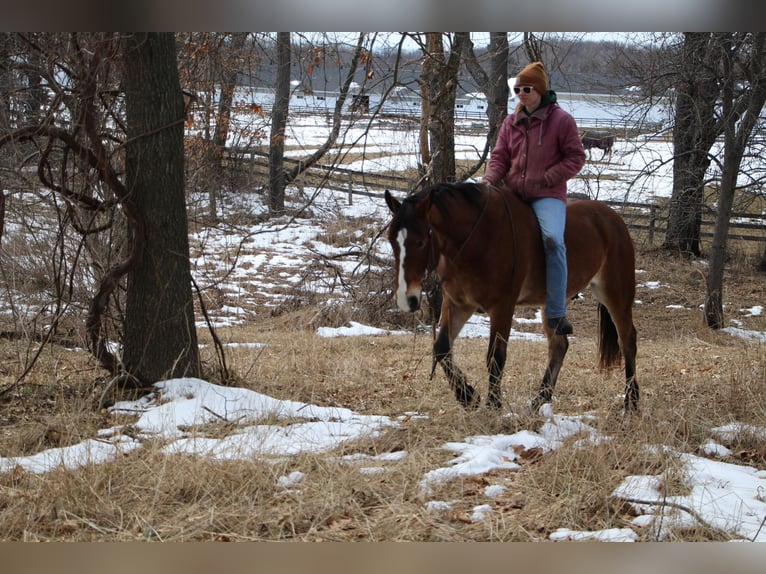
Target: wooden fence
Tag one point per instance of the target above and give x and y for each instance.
(648, 217)
(652, 218)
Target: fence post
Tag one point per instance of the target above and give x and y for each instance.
(350, 190)
(652, 222)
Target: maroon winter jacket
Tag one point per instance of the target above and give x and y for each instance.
(536, 155)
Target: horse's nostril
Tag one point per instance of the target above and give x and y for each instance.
(413, 303)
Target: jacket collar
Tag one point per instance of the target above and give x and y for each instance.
(540, 113)
(547, 103)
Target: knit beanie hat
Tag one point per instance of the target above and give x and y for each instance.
(534, 75)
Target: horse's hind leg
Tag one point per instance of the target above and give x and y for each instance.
(452, 320)
(628, 338)
(617, 336)
(557, 350)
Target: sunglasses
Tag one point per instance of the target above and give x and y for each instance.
(525, 89)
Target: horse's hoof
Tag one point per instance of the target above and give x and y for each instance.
(469, 398)
(546, 411)
(629, 409)
(537, 404)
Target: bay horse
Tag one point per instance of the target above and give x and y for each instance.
(485, 244)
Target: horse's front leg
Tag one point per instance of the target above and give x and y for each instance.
(557, 350)
(451, 322)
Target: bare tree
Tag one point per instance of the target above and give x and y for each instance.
(277, 179)
(358, 55)
(494, 85)
(228, 84)
(533, 46)
(6, 80)
(160, 334)
(440, 81)
(716, 81)
(743, 94)
(134, 226)
(695, 130)
(211, 68)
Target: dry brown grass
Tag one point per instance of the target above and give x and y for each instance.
(692, 379)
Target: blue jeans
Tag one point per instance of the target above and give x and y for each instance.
(552, 215)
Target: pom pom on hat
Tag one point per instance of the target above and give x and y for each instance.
(534, 75)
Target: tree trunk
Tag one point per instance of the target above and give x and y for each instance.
(533, 47)
(425, 115)
(740, 115)
(495, 87)
(439, 84)
(277, 179)
(499, 91)
(160, 338)
(713, 307)
(694, 133)
(6, 80)
(223, 120)
(441, 79)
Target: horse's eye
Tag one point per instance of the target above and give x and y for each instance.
(421, 244)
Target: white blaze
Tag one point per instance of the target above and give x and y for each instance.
(401, 284)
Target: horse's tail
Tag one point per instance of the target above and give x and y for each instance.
(608, 341)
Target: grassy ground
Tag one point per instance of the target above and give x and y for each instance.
(691, 378)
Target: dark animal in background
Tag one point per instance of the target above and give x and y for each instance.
(484, 242)
(601, 140)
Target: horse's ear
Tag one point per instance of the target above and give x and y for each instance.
(392, 202)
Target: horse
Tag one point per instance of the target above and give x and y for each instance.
(485, 244)
(603, 141)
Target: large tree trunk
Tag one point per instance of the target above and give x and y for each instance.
(277, 178)
(160, 338)
(441, 79)
(694, 133)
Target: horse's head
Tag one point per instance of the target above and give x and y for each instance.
(410, 238)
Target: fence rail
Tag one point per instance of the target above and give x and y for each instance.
(649, 217)
(652, 217)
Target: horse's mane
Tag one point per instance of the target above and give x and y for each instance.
(443, 194)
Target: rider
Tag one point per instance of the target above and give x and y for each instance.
(538, 150)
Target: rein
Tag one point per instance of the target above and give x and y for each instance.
(513, 231)
(510, 217)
